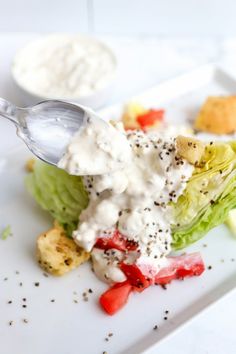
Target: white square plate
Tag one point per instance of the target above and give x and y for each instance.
(65, 326)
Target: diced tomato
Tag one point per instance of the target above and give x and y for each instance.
(150, 118)
(116, 241)
(135, 276)
(116, 297)
(180, 267)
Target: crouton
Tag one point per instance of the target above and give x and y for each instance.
(190, 149)
(217, 115)
(58, 254)
(129, 118)
(29, 166)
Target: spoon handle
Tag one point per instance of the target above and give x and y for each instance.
(9, 111)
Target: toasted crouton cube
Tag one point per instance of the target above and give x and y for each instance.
(29, 166)
(129, 118)
(57, 253)
(190, 149)
(217, 115)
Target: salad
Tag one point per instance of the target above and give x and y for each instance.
(129, 194)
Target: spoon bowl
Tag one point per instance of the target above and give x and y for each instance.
(47, 127)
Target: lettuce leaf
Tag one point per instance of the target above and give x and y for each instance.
(209, 196)
(231, 222)
(61, 194)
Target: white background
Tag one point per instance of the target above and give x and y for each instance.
(143, 34)
(129, 17)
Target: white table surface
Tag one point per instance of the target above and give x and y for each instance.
(144, 62)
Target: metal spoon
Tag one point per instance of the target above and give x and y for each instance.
(47, 127)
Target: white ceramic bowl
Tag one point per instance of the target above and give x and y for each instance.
(94, 100)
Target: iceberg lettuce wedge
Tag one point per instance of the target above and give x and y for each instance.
(209, 196)
(61, 194)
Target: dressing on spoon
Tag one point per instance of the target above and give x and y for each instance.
(96, 149)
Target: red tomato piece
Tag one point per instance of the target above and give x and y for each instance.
(150, 118)
(116, 241)
(116, 297)
(180, 267)
(135, 276)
